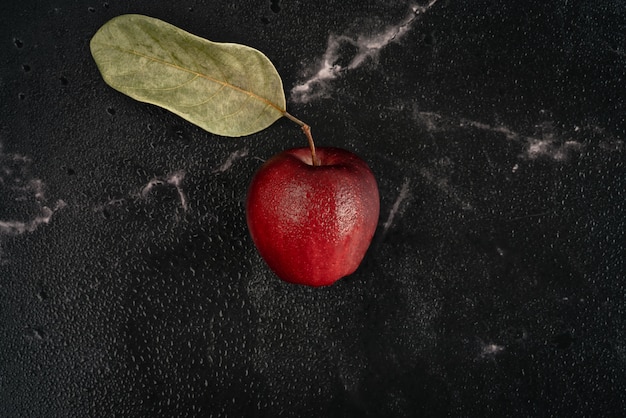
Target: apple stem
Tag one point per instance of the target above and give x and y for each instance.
(307, 131)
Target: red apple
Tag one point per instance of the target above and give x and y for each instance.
(313, 223)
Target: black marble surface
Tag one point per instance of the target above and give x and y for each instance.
(495, 283)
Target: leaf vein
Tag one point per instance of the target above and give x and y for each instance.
(236, 111)
(250, 94)
(157, 88)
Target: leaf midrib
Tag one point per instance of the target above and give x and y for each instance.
(197, 74)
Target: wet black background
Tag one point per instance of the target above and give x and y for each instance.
(494, 285)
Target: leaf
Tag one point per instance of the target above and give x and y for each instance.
(225, 88)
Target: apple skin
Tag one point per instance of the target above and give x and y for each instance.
(313, 224)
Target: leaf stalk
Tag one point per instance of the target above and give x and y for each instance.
(307, 132)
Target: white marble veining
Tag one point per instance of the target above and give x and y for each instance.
(368, 47)
(174, 179)
(17, 183)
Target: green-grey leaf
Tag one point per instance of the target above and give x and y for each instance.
(227, 89)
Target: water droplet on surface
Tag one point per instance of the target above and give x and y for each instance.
(275, 6)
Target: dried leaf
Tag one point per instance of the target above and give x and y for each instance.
(225, 88)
